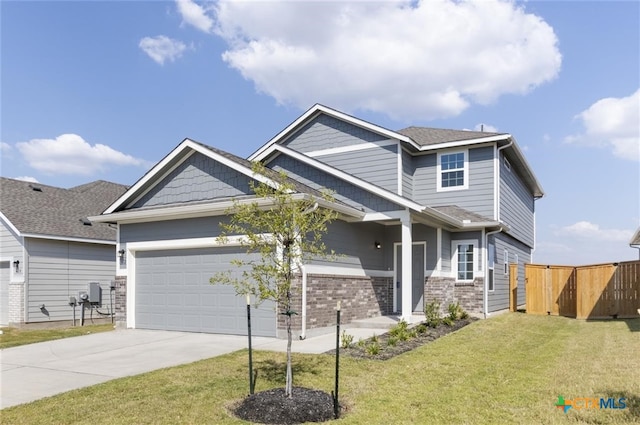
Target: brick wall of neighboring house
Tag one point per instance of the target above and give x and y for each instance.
(446, 291)
(121, 301)
(360, 297)
(16, 302)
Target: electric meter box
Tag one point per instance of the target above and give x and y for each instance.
(95, 293)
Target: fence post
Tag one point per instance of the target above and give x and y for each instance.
(513, 287)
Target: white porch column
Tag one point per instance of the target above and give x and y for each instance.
(407, 257)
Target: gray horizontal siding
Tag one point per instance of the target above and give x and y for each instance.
(517, 205)
(59, 269)
(478, 198)
(344, 191)
(198, 178)
(354, 245)
(420, 233)
(377, 165)
(201, 227)
(325, 132)
(499, 298)
(10, 245)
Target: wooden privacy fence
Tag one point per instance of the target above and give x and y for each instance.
(585, 292)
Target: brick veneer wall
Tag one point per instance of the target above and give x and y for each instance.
(121, 301)
(360, 297)
(445, 290)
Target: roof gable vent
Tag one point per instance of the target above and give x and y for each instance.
(86, 221)
(35, 188)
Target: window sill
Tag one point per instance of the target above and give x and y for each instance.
(464, 283)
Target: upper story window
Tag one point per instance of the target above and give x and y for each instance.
(453, 171)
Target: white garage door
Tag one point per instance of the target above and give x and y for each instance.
(173, 293)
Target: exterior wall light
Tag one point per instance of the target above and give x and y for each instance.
(16, 266)
(377, 245)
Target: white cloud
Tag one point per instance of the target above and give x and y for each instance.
(407, 59)
(612, 123)
(162, 48)
(27, 179)
(5, 147)
(586, 230)
(195, 15)
(71, 154)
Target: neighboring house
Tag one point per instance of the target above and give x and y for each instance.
(635, 241)
(49, 251)
(462, 203)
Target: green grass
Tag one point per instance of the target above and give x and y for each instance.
(12, 337)
(509, 369)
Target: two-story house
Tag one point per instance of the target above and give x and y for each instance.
(425, 215)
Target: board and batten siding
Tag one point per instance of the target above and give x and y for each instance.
(326, 132)
(478, 198)
(343, 190)
(376, 165)
(198, 178)
(499, 298)
(517, 205)
(58, 270)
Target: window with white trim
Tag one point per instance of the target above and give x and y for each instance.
(464, 260)
(453, 171)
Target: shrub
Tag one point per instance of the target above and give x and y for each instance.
(392, 341)
(346, 340)
(421, 328)
(448, 321)
(373, 347)
(361, 343)
(432, 314)
(455, 311)
(401, 331)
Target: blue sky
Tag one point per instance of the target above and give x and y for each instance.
(103, 90)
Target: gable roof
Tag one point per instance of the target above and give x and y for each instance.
(418, 138)
(37, 210)
(186, 148)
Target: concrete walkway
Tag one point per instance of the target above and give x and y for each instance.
(34, 371)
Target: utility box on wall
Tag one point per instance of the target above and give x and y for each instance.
(95, 293)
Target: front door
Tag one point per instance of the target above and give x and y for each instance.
(417, 274)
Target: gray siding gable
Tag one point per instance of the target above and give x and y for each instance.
(326, 132)
(343, 191)
(198, 178)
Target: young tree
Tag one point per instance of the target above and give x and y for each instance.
(285, 228)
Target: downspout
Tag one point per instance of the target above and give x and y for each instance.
(303, 331)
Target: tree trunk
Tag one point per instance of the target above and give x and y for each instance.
(289, 383)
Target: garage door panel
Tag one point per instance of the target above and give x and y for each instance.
(173, 292)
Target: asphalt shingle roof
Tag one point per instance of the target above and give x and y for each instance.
(462, 214)
(54, 211)
(425, 136)
(635, 240)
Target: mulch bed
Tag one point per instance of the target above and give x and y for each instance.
(309, 405)
(274, 407)
(387, 351)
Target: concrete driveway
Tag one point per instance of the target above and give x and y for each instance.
(34, 371)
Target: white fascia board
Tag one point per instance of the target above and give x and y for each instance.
(10, 225)
(351, 148)
(315, 110)
(195, 243)
(69, 239)
(348, 177)
(208, 209)
(460, 143)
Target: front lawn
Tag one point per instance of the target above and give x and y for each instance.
(12, 337)
(509, 369)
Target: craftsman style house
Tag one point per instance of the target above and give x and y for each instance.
(425, 215)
